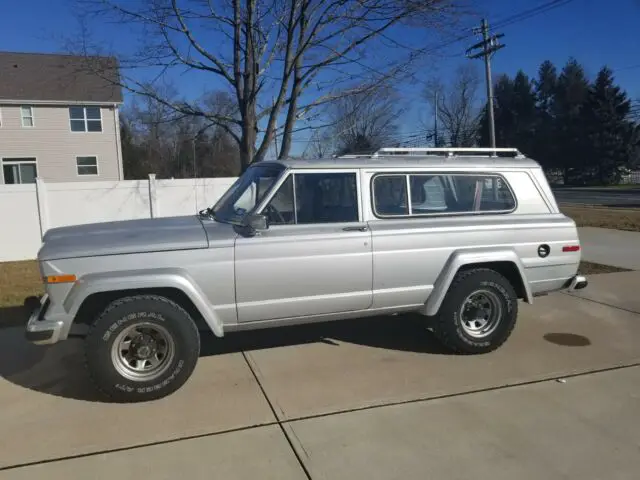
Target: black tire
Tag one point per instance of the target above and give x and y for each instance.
(147, 314)
(448, 325)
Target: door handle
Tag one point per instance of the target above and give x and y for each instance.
(356, 229)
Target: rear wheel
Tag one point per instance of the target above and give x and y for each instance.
(142, 348)
(478, 313)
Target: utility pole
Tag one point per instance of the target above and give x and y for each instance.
(489, 45)
(435, 122)
(275, 131)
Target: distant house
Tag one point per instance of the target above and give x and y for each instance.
(59, 118)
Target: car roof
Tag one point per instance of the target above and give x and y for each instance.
(411, 161)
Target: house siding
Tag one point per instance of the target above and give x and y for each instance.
(56, 147)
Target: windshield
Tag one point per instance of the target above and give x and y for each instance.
(246, 192)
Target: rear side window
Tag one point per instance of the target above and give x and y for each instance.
(440, 194)
(390, 195)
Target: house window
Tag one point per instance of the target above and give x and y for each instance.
(87, 165)
(27, 116)
(19, 170)
(85, 119)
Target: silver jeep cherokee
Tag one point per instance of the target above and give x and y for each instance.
(457, 235)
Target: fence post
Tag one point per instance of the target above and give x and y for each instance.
(153, 196)
(43, 207)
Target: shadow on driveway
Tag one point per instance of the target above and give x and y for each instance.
(59, 369)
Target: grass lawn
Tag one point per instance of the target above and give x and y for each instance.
(589, 268)
(18, 280)
(616, 218)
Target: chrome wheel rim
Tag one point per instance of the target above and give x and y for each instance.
(143, 351)
(480, 313)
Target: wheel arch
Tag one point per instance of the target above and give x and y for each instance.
(94, 292)
(504, 261)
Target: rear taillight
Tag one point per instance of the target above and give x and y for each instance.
(571, 248)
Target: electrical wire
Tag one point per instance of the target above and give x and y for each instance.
(532, 12)
(507, 21)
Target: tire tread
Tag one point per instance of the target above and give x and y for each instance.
(117, 304)
(445, 331)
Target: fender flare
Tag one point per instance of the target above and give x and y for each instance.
(177, 278)
(461, 258)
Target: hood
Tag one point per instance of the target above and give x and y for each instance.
(129, 236)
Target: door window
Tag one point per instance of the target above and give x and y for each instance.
(309, 198)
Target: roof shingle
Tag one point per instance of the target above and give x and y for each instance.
(53, 77)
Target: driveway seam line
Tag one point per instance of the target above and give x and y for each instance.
(136, 447)
(278, 420)
(466, 392)
(601, 303)
(318, 415)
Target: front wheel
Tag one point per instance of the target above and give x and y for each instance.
(478, 313)
(142, 348)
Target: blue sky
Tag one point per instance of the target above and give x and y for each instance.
(595, 32)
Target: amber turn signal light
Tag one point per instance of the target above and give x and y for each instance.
(60, 279)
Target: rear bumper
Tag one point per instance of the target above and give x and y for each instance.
(39, 330)
(578, 282)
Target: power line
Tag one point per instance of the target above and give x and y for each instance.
(510, 20)
(532, 12)
(628, 67)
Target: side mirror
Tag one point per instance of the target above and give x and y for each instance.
(256, 222)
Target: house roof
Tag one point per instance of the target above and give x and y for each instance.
(51, 77)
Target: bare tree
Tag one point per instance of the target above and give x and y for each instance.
(365, 121)
(157, 139)
(320, 145)
(280, 58)
(457, 106)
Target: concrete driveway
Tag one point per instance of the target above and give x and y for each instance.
(375, 398)
(611, 247)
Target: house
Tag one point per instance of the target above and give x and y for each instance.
(59, 118)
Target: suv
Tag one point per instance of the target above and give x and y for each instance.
(456, 235)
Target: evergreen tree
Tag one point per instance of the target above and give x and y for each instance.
(502, 114)
(514, 113)
(544, 148)
(568, 109)
(608, 128)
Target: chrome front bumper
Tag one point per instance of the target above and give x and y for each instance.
(39, 330)
(578, 283)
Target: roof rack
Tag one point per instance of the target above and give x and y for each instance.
(449, 152)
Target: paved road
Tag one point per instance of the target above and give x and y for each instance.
(372, 399)
(594, 196)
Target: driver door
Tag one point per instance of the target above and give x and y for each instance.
(315, 258)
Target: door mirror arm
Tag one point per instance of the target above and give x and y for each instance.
(252, 224)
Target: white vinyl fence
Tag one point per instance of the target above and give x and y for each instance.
(28, 211)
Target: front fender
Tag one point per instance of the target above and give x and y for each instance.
(461, 258)
(132, 280)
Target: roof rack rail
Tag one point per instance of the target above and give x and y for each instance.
(481, 151)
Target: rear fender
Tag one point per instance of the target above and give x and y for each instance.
(131, 280)
(462, 258)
